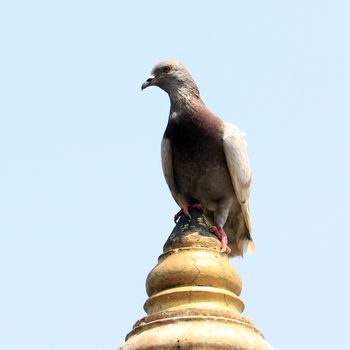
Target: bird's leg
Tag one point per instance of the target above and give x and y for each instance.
(219, 232)
(185, 211)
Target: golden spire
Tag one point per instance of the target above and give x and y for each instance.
(194, 297)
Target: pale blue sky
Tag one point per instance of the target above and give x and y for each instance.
(84, 208)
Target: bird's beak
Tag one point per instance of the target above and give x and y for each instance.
(148, 82)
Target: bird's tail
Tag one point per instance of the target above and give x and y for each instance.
(239, 236)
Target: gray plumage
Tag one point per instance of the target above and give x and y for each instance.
(204, 159)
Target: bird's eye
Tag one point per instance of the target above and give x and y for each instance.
(166, 69)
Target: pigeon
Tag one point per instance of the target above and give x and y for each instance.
(204, 160)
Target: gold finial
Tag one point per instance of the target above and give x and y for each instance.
(194, 297)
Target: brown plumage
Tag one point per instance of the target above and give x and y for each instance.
(204, 159)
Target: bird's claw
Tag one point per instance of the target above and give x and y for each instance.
(185, 211)
(219, 232)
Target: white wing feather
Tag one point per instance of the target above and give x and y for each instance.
(167, 164)
(235, 149)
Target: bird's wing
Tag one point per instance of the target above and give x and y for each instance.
(235, 149)
(167, 164)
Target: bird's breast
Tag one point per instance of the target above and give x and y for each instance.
(199, 163)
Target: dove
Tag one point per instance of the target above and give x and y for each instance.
(204, 160)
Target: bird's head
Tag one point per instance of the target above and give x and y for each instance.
(173, 78)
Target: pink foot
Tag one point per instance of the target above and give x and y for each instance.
(219, 232)
(185, 211)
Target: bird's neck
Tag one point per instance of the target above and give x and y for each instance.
(184, 100)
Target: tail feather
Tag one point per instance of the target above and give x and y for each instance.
(238, 233)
